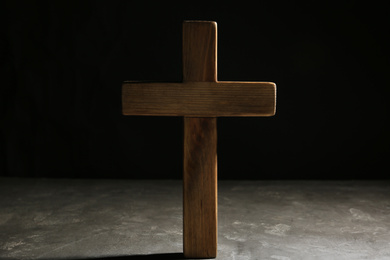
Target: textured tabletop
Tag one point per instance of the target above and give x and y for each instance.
(132, 219)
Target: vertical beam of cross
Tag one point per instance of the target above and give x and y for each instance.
(200, 146)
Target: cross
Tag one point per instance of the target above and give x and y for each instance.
(200, 99)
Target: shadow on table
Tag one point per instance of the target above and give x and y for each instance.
(166, 256)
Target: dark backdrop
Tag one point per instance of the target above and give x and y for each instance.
(62, 65)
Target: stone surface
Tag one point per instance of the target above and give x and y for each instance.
(132, 219)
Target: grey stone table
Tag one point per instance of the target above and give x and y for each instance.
(130, 219)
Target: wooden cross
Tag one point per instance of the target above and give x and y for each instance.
(199, 99)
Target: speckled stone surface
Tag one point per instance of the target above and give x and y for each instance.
(132, 219)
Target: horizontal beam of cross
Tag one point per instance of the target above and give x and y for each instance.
(199, 99)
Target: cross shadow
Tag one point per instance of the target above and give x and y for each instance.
(165, 256)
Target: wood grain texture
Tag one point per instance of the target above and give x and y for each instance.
(199, 99)
(200, 188)
(200, 146)
(199, 51)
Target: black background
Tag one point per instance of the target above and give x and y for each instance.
(62, 65)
